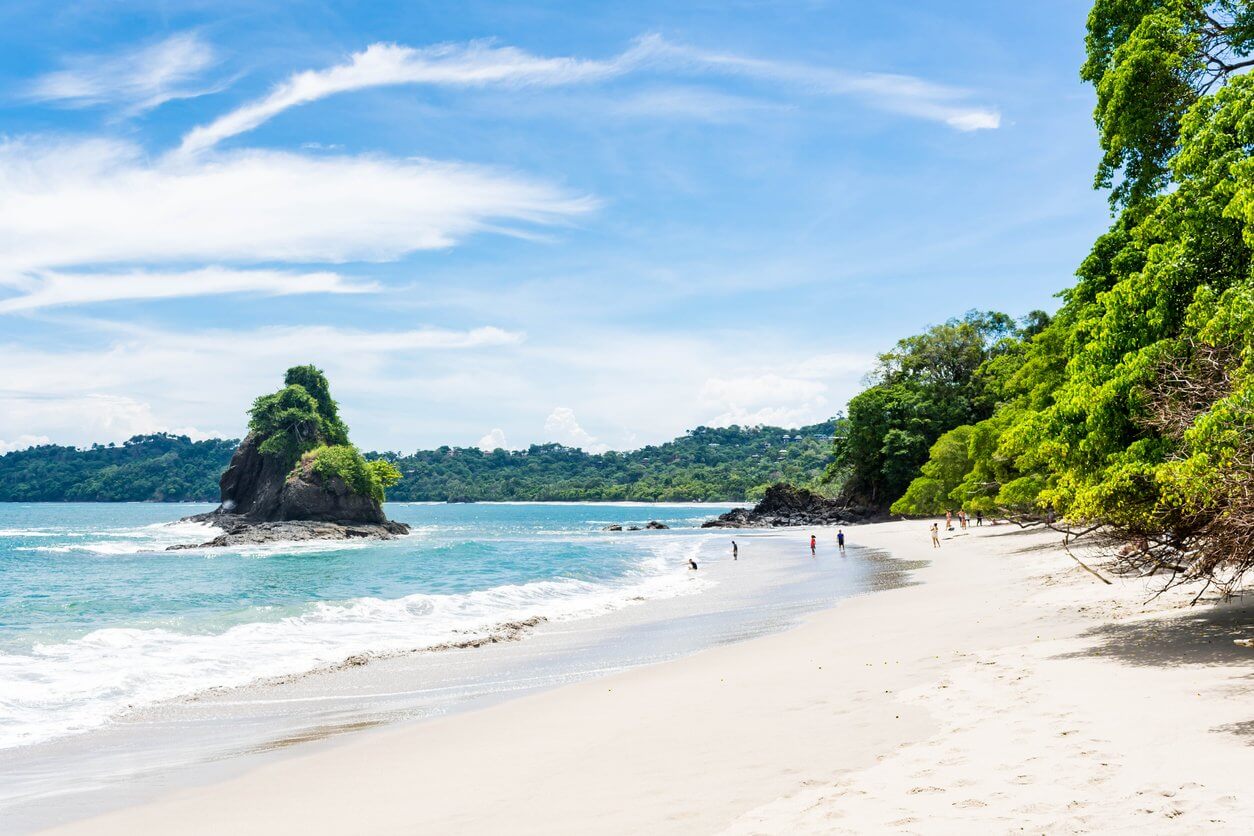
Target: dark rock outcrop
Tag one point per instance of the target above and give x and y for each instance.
(264, 502)
(239, 531)
(784, 505)
(651, 525)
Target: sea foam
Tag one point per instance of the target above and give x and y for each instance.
(63, 688)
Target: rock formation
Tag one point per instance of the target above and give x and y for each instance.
(295, 477)
(784, 505)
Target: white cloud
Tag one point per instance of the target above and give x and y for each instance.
(103, 202)
(765, 399)
(473, 64)
(149, 380)
(564, 429)
(141, 79)
(22, 442)
(58, 289)
(493, 440)
(893, 92)
(480, 63)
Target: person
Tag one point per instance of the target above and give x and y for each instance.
(692, 563)
(840, 539)
(735, 551)
(979, 518)
(935, 535)
(949, 520)
(813, 544)
(962, 519)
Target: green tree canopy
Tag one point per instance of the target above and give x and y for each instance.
(1150, 61)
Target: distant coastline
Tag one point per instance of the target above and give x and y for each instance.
(730, 464)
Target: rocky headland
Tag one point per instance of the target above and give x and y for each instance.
(295, 477)
(785, 505)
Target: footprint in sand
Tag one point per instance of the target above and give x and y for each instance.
(918, 790)
(970, 803)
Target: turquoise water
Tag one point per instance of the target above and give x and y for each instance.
(97, 619)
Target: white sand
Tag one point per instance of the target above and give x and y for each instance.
(972, 702)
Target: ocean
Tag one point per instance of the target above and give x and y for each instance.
(96, 619)
(125, 668)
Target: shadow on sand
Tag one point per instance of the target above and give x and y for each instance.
(1205, 636)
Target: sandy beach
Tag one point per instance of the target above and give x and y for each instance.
(1006, 690)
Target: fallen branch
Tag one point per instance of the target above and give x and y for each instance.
(1083, 565)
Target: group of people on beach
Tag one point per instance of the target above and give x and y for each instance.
(840, 542)
(814, 545)
(963, 520)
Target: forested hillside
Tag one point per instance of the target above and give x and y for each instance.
(159, 468)
(1134, 407)
(731, 463)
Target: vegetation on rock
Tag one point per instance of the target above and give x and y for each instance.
(345, 462)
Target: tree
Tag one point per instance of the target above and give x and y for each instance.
(927, 384)
(1150, 61)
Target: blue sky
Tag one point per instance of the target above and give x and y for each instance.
(506, 223)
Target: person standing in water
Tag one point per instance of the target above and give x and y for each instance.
(840, 539)
(935, 535)
(735, 551)
(692, 563)
(813, 544)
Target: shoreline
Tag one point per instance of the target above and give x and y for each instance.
(979, 696)
(218, 732)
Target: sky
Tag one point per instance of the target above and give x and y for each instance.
(506, 223)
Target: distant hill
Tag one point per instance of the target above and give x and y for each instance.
(155, 468)
(731, 463)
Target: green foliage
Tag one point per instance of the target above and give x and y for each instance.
(949, 461)
(287, 422)
(300, 416)
(732, 463)
(383, 473)
(711, 464)
(301, 423)
(928, 384)
(345, 462)
(1135, 405)
(146, 468)
(1150, 61)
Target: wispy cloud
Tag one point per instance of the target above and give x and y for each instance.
(147, 379)
(139, 79)
(104, 202)
(59, 289)
(893, 92)
(475, 64)
(690, 102)
(482, 64)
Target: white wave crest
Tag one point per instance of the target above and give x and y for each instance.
(69, 687)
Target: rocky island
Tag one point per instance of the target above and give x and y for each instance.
(296, 476)
(785, 505)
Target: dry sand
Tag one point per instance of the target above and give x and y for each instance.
(1009, 690)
